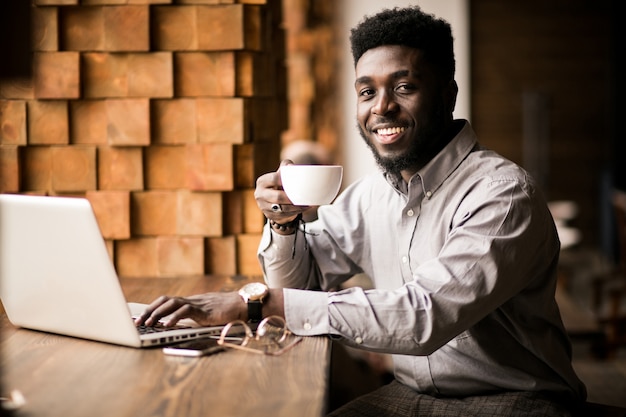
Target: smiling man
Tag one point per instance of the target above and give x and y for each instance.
(457, 240)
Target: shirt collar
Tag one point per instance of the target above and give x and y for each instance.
(442, 165)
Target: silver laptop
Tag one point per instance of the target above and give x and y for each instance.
(56, 275)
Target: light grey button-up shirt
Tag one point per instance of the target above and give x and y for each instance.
(463, 260)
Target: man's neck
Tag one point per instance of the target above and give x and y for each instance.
(450, 131)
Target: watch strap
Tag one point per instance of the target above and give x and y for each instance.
(255, 311)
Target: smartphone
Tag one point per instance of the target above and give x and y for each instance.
(194, 348)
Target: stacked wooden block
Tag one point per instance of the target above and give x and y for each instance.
(162, 115)
(313, 56)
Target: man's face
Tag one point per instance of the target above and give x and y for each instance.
(401, 107)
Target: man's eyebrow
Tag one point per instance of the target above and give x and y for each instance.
(363, 80)
(398, 74)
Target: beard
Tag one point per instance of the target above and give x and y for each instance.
(422, 147)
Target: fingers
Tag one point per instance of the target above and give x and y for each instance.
(205, 309)
(146, 317)
(172, 308)
(272, 200)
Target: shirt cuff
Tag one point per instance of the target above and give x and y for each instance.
(274, 245)
(306, 312)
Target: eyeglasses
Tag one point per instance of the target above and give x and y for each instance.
(272, 336)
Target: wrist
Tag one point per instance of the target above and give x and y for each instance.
(288, 227)
(254, 295)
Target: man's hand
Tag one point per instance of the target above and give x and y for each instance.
(205, 309)
(272, 200)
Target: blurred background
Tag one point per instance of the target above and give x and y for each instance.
(164, 112)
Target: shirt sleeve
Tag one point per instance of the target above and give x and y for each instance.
(286, 261)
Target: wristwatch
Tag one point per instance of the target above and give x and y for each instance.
(253, 294)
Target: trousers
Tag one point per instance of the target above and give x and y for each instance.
(396, 399)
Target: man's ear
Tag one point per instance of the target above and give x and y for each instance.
(450, 93)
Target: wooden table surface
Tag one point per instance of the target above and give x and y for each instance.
(63, 376)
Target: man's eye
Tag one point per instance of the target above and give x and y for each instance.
(366, 92)
(405, 87)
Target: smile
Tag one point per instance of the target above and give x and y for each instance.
(390, 130)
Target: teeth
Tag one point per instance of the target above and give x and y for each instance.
(391, 130)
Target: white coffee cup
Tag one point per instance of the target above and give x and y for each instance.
(311, 185)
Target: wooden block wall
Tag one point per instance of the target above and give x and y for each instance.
(313, 53)
(163, 114)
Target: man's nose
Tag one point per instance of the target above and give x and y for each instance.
(384, 104)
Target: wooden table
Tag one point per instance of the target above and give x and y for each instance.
(63, 376)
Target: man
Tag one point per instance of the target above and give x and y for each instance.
(458, 242)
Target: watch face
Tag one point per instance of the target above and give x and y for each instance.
(254, 290)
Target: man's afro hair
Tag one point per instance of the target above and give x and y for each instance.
(410, 27)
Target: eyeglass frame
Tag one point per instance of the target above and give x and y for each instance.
(260, 332)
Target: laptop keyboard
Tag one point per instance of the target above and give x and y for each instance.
(143, 329)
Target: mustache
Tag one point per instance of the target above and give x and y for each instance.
(381, 120)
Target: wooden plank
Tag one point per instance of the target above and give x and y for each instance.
(256, 74)
(221, 255)
(253, 218)
(247, 261)
(199, 74)
(73, 168)
(112, 75)
(37, 168)
(12, 122)
(232, 218)
(55, 2)
(9, 169)
(56, 75)
(150, 75)
(104, 75)
(226, 32)
(241, 213)
(128, 122)
(17, 88)
(154, 213)
(199, 214)
(222, 120)
(136, 257)
(48, 122)
(120, 168)
(165, 167)
(180, 256)
(82, 28)
(112, 210)
(45, 29)
(175, 28)
(126, 28)
(118, 2)
(88, 122)
(173, 121)
(209, 167)
(254, 159)
(163, 256)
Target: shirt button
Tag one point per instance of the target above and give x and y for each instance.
(307, 326)
(358, 340)
(429, 194)
(405, 259)
(410, 213)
